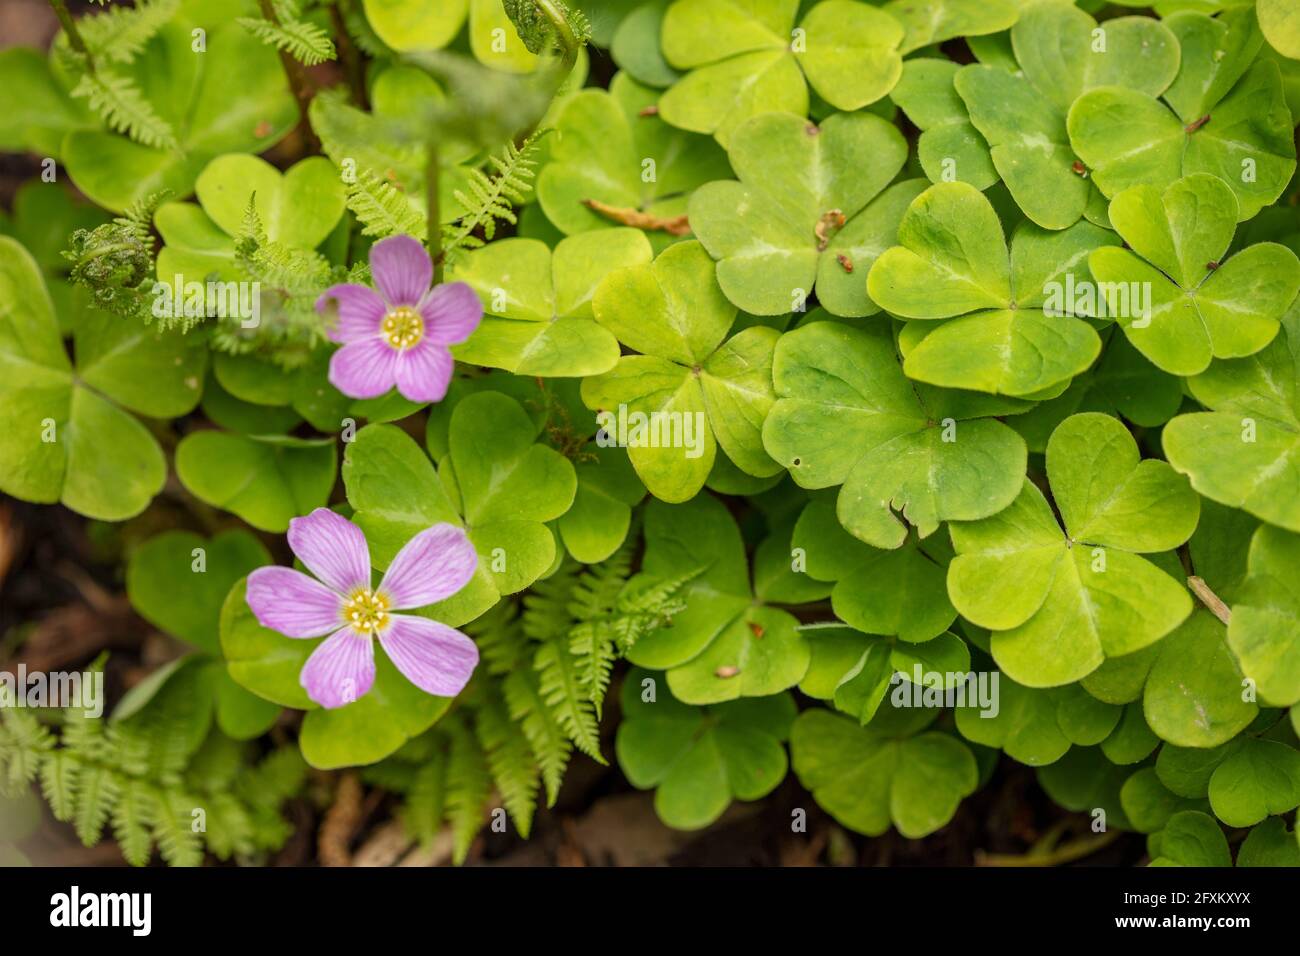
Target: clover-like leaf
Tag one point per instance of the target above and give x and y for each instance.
(847, 415)
(268, 664)
(699, 759)
(38, 120)
(811, 209)
(1200, 305)
(1270, 844)
(538, 303)
(298, 208)
(1224, 116)
(194, 94)
(414, 24)
(727, 643)
(67, 437)
(612, 161)
(1061, 602)
(598, 522)
(745, 58)
(899, 592)
(501, 491)
(1062, 53)
(867, 779)
(1263, 631)
(1149, 804)
(689, 391)
(1190, 838)
(949, 146)
(267, 480)
(1246, 452)
(1261, 779)
(1019, 329)
(1194, 695)
(1037, 726)
(1280, 23)
(636, 47)
(928, 22)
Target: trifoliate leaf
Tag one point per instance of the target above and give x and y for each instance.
(847, 415)
(538, 304)
(811, 209)
(1261, 779)
(1149, 804)
(949, 147)
(1263, 632)
(1195, 695)
(1060, 603)
(867, 779)
(699, 759)
(1019, 328)
(1191, 838)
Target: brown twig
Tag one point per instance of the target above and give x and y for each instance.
(673, 225)
(1210, 599)
(334, 840)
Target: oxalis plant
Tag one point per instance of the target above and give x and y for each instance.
(869, 394)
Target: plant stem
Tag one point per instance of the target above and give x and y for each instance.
(568, 40)
(433, 231)
(349, 55)
(1210, 599)
(1064, 853)
(73, 34)
(302, 91)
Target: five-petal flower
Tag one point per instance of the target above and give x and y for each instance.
(398, 335)
(342, 604)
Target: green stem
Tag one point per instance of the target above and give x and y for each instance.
(569, 44)
(73, 34)
(433, 231)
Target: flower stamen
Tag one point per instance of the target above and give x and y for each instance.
(366, 611)
(403, 327)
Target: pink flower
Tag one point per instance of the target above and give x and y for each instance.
(400, 337)
(433, 565)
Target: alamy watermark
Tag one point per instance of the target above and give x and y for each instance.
(977, 689)
(1086, 299)
(61, 689)
(625, 429)
(180, 299)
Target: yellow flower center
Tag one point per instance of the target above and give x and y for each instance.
(403, 327)
(366, 611)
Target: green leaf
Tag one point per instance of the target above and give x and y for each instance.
(1192, 839)
(700, 759)
(66, 440)
(194, 95)
(1261, 779)
(178, 581)
(266, 480)
(1149, 805)
(934, 21)
(1237, 129)
(608, 150)
(811, 208)
(1019, 331)
(847, 415)
(608, 490)
(949, 147)
(538, 303)
(1269, 844)
(1199, 305)
(1262, 632)
(725, 644)
(1060, 603)
(38, 120)
(414, 24)
(867, 780)
(1280, 23)
(1194, 696)
(1245, 452)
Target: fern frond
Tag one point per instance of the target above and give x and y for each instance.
(500, 641)
(173, 828)
(121, 33)
(550, 745)
(132, 821)
(566, 697)
(492, 198)
(59, 773)
(382, 209)
(23, 744)
(536, 30)
(301, 39)
(509, 759)
(422, 812)
(468, 787)
(124, 108)
(98, 788)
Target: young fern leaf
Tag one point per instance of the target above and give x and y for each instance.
(535, 28)
(124, 108)
(491, 198)
(23, 745)
(550, 745)
(120, 34)
(382, 209)
(59, 773)
(509, 759)
(98, 788)
(133, 820)
(566, 696)
(426, 801)
(178, 844)
(468, 787)
(301, 39)
(115, 262)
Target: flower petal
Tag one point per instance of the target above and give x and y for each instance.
(424, 372)
(361, 311)
(333, 548)
(290, 602)
(366, 368)
(341, 670)
(402, 270)
(451, 312)
(433, 565)
(434, 657)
